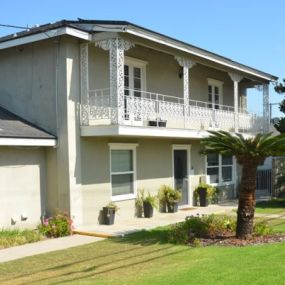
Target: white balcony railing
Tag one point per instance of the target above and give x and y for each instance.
(152, 109)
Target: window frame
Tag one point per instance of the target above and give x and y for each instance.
(220, 167)
(215, 83)
(123, 146)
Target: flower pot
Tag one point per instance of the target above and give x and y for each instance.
(152, 123)
(202, 192)
(108, 216)
(162, 123)
(162, 207)
(147, 209)
(172, 207)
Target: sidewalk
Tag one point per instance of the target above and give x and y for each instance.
(44, 246)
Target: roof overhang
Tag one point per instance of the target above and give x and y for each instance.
(27, 142)
(84, 29)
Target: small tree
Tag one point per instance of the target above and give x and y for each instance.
(249, 152)
(280, 125)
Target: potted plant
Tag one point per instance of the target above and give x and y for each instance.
(109, 213)
(149, 202)
(139, 203)
(162, 198)
(206, 194)
(172, 199)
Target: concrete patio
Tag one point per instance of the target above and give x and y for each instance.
(122, 227)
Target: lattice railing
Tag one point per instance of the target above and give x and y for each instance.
(142, 107)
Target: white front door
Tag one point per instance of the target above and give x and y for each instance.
(215, 93)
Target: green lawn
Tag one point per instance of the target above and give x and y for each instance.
(146, 258)
(275, 206)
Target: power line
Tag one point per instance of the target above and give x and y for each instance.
(13, 26)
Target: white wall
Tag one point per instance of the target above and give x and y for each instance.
(22, 186)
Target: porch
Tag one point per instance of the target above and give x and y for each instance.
(128, 83)
(133, 224)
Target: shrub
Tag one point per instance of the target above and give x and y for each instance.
(57, 226)
(194, 227)
(112, 205)
(15, 237)
(150, 199)
(262, 229)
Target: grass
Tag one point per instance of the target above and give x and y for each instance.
(15, 237)
(147, 258)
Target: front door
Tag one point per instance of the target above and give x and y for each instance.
(180, 173)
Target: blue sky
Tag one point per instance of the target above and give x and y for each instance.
(248, 31)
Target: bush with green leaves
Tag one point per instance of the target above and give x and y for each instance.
(58, 225)
(209, 227)
(14, 237)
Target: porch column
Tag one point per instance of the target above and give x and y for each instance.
(186, 64)
(116, 47)
(84, 84)
(236, 78)
(266, 117)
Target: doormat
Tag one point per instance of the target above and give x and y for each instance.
(186, 209)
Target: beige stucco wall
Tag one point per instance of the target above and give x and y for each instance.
(154, 168)
(27, 82)
(22, 186)
(161, 74)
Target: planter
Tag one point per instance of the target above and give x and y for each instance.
(108, 216)
(162, 207)
(148, 210)
(172, 207)
(160, 123)
(202, 192)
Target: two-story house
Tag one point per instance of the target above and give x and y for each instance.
(123, 108)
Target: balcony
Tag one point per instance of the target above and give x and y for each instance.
(152, 110)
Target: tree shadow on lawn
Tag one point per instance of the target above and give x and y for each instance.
(275, 203)
(140, 240)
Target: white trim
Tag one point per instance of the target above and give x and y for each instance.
(27, 142)
(220, 85)
(45, 35)
(115, 130)
(219, 166)
(123, 146)
(186, 147)
(181, 46)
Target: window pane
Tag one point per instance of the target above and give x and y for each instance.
(227, 160)
(137, 83)
(213, 159)
(126, 70)
(213, 172)
(137, 72)
(209, 89)
(216, 90)
(122, 184)
(122, 160)
(227, 173)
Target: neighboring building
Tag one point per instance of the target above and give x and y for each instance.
(126, 107)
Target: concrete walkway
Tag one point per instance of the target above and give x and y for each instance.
(123, 227)
(120, 228)
(44, 246)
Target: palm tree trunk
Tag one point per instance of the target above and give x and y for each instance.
(246, 207)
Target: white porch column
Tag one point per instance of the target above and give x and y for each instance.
(84, 83)
(236, 78)
(266, 117)
(116, 47)
(186, 64)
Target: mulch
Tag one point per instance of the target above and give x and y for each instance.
(231, 240)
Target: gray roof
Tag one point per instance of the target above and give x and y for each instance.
(12, 126)
(88, 26)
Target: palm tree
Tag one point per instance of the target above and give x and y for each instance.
(249, 152)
